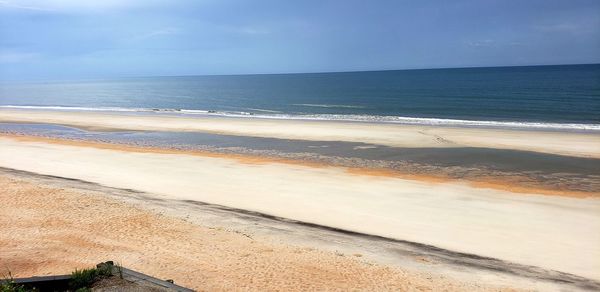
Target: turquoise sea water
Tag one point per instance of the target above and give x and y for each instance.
(536, 96)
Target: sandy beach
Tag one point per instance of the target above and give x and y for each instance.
(90, 228)
(299, 146)
(507, 225)
(157, 236)
(395, 135)
(452, 216)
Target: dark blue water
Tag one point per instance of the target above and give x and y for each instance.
(536, 94)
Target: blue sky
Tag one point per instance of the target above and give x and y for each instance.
(69, 39)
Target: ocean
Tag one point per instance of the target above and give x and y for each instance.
(553, 97)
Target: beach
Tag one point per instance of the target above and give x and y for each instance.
(299, 146)
(91, 228)
(394, 135)
(518, 225)
(200, 245)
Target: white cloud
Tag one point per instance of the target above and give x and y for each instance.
(155, 33)
(246, 30)
(18, 5)
(16, 57)
(558, 27)
(583, 25)
(488, 43)
(482, 43)
(253, 30)
(74, 5)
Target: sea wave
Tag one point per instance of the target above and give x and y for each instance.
(328, 105)
(78, 108)
(263, 110)
(333, 117)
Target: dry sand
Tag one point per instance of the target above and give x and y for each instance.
(396, 135)
(48, 230)
(557, 233)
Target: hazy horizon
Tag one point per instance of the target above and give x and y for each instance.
(279, 73)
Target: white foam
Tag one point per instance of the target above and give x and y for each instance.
(333, 117)
(75, 108)
(328, 105)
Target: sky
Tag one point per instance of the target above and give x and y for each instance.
(71, 39)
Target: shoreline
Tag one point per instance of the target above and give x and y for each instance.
(478, 221)
(393, 135)
(414, 260)
(349, 118)
(489, 182)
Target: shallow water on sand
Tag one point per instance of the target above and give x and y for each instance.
(551, 171)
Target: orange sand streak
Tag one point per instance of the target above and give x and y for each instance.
(490, 183)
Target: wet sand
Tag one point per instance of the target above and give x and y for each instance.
(580, 184)
(395, 135)
(448, 215)
(518, 171)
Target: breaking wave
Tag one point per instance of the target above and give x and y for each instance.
(267, 114)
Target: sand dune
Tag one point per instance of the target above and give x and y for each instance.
(556, 233)
(396, 135)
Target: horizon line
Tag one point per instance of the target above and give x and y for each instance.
(288, 73)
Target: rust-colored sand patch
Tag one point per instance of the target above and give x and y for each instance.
(47, 230)
(513, 185)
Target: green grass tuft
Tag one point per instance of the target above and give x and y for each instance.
(8, 285)
(82, 279)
